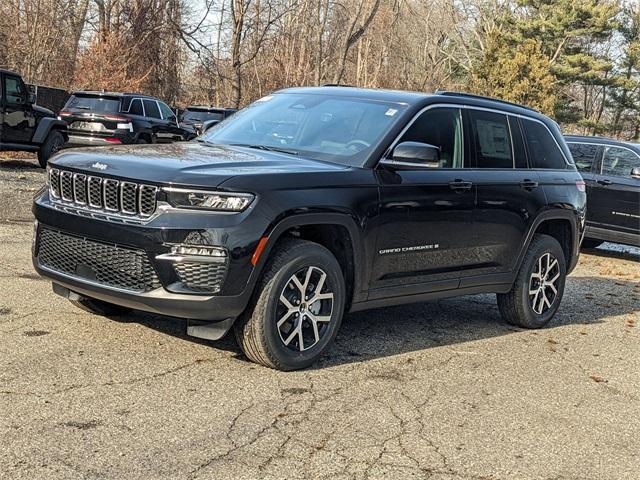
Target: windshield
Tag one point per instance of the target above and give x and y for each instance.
(93, 104)
(201, 115)
(324, 127)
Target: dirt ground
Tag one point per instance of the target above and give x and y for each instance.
(438, 390)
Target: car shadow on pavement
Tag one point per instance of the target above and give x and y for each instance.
(20, 164)
(398, 330)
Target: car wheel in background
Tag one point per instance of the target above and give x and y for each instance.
(297, 308)
(537, 291)
(51, 145)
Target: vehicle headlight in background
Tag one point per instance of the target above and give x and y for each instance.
(205, 200)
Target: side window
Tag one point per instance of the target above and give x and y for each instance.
(151, 109)
(166, 111)
(584, 154)
(15, 90)
(136, 107)
(491, 140)
(619, 161)
(543, 150)
(442, 128)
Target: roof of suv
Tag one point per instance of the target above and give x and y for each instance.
(103, 93)
(4, 70)
(602, 141)
(418, 98)
(209, 108)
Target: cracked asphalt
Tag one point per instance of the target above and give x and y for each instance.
(440, 390)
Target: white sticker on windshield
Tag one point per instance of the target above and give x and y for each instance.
(265, 99)
(391, 112)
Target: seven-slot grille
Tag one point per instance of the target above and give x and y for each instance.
(107, 264)
(104, 194)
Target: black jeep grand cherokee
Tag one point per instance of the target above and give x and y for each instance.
(312, 202)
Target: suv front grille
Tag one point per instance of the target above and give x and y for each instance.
(107, 264)
(100, 194)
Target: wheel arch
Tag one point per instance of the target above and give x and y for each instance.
(45, 126)
(335, 231)
(561, 225)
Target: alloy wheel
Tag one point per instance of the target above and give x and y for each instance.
(304, 309)
(543, 284)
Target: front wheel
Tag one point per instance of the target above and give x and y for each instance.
(535, 296)
(297, 308)
(53, 143)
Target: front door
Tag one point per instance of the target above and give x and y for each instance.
(614, 200)
(424, 228)
(18, 121)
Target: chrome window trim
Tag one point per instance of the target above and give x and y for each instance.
(473, 107)
(141, 103)
(604, 146)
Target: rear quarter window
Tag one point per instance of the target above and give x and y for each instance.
(544, 152)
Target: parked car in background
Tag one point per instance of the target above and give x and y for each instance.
(315, 201)
(25, 126)
(108, 118)
(201, 118)
(611, 170)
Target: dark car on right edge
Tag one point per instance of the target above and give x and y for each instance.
(611, 170)
(201, 117)
(313, 202)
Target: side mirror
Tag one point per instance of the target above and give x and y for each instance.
(635, 172)
(416, 153)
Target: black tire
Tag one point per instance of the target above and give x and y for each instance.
(517, 306)
(51, 145)
(591, 243)
(141, 141)
(98, 307)
(258, 331)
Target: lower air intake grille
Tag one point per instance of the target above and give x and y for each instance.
(201, 277)
(103, 263)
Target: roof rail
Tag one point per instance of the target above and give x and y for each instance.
(480, 97)
(336, 85)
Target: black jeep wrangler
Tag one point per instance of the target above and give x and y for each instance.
(313, 202)
(25, 126)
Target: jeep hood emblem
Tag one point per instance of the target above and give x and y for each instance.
(99, 166)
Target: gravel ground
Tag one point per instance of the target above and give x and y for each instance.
(439, 390)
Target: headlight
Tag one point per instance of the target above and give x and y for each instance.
(204, 200)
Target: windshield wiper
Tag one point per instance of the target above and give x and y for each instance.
(269, 148)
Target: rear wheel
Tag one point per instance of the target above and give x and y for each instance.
(99, 307)
(591, 243)
(297, 308)
(53, 143)
(536, 294)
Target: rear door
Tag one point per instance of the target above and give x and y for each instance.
(424, 229)
(615, 198)
(508, 195)
(159, 126)
(175, 132)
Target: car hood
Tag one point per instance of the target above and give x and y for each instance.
(185, 163)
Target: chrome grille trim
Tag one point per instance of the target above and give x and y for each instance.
(102, 195)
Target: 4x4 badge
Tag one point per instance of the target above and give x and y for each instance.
(99, 166)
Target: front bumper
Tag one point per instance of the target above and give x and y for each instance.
(154, 239)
